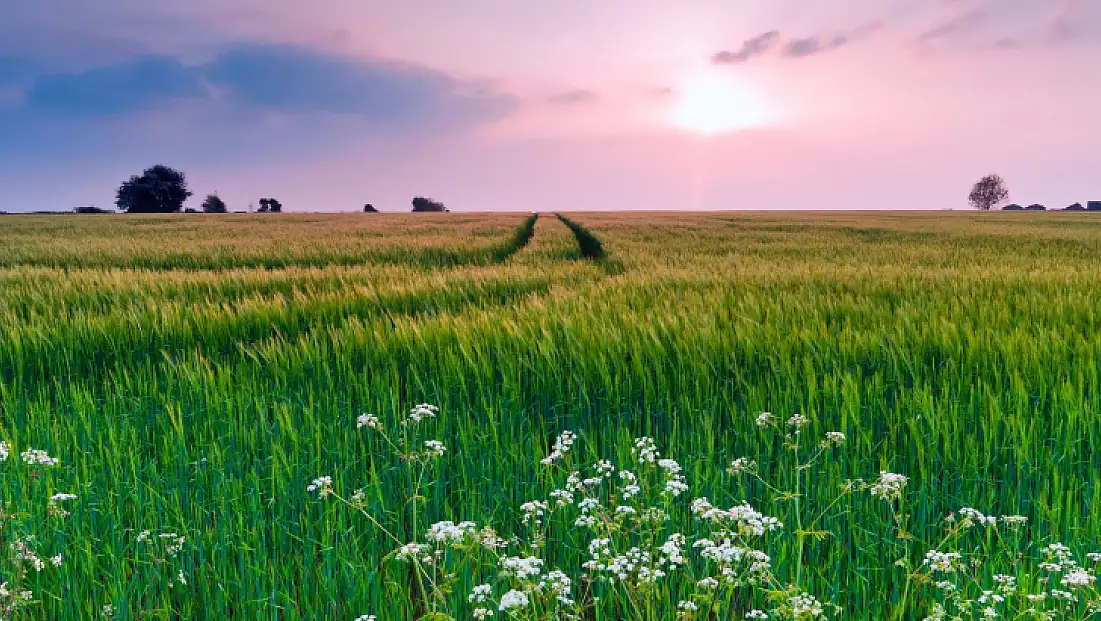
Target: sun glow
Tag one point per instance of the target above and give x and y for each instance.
(713, 103)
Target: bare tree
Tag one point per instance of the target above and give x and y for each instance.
(988, 193)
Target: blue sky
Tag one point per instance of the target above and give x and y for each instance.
(514, 104)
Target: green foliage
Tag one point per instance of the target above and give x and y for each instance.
(214, 204)
(159, 189)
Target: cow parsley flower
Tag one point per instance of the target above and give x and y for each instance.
(562, 445)
(521, 567)
(368, 420)
(450, 533)
(38, 457)
(1078, 578)
(322, 485)
(798, 421)
(742, 464)
(414, 552)
(513, 599)
(422, 412)
(942, 561)
(889, 485)
(645, 450)
(971, 516)
(435, 448)
(480, 594)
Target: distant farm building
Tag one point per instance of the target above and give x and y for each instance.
(1012, 207)
(1075, 207)
(1035, 207)
(1093, 206)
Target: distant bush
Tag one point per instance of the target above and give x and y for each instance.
(191, 210)
(158, 189)
(270, 205)
(369, 208)
(214, 204)
(92, 209)
(421, 203)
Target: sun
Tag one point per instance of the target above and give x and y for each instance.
(714, 103)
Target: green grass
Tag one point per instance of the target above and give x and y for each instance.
(194, 374)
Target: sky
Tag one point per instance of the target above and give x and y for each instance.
(564, 105)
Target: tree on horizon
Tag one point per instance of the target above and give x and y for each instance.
(988, 192)
(214, 204)
(159, 189)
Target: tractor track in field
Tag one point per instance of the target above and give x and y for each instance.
(591, 247)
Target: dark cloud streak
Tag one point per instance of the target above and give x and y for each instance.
(750, 49)
(257, 77)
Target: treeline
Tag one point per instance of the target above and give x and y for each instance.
(991, 191)
(161, 189)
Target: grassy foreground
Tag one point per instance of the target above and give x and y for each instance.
(194, 375)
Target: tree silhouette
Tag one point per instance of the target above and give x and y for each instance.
(421, 203)
(988, 192)
(158, 189)
(214, 204)
(369, 208)
(270, 204)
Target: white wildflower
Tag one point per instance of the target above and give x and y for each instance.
(533, 511)
(562, 445)
(480, 594)
(645, 450)
(1078, 578)
(798, 421)
(322, 485)
(742, 464)
(889, 485)
(368, 420)
(942, 561)
(38, 457)
(513, 599)
(414, 552)
(521, 567)
(422, 412)
(435, 448)
(450, 533)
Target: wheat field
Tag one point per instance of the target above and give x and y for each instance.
(236, 404)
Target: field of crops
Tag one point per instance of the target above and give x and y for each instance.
(234, 403)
